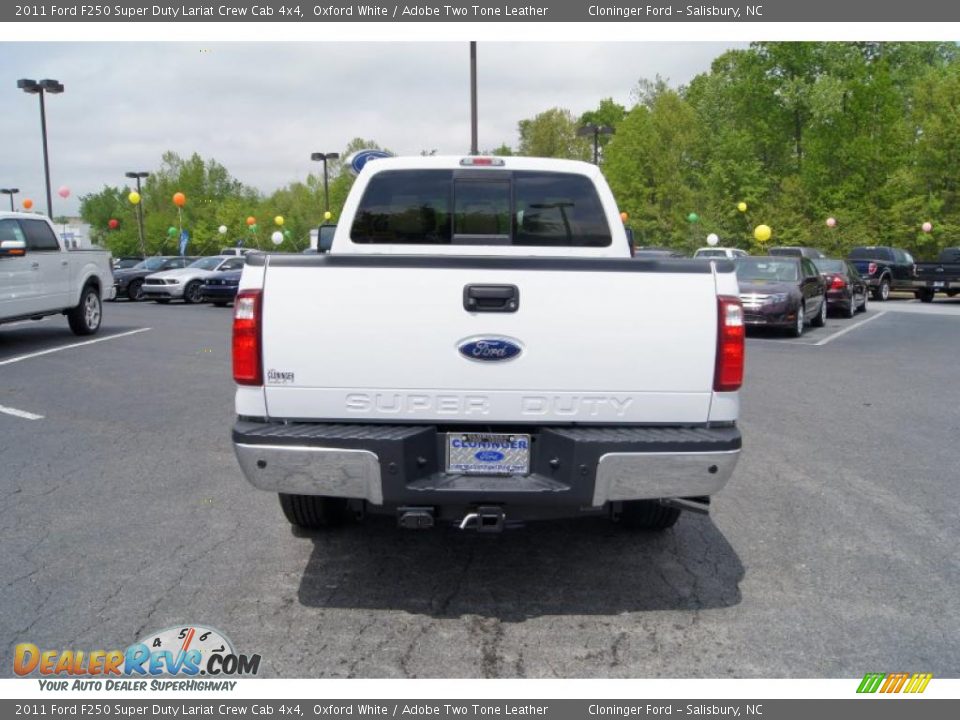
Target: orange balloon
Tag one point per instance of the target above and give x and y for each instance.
(623, 217)
(179, 199)
(251, 220)
(27, 203)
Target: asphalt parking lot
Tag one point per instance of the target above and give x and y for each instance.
(832, 552)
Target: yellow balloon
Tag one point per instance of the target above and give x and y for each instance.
(327, 215)
(134, 198)
(278, 219)
(762, 233)
(742, 206)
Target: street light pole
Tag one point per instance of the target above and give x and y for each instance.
(323, 157)
(11, 192)
(474, 150)
(32, 87)
(596, 131)
(136, 176)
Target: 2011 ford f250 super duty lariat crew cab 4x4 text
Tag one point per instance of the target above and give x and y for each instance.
(40, 277)
(463, 354)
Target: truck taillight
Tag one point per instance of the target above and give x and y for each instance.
(247, 366)
(728, 375)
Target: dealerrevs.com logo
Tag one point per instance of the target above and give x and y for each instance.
(185, 651)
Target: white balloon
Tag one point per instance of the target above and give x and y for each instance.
(222, 229)
(277, 237)
(712, 239)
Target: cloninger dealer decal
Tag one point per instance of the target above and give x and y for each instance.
(177, 652)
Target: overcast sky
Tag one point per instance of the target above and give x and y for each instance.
(260, 109)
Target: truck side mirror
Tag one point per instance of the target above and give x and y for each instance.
(13, 248)
(325, 237)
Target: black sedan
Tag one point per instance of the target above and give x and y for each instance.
(846, 289)
(129, 282)
(782, 292)
(221, 287)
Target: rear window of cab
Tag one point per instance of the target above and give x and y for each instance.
(480, 207)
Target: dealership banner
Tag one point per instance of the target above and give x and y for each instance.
(484, 709)
(573, 11)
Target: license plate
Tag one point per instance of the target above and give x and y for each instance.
(488, 454)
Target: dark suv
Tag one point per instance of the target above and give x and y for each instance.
(884, 269)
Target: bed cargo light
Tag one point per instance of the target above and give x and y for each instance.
(481, 161)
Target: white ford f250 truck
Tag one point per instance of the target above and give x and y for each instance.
(40, 277)
(479, 347)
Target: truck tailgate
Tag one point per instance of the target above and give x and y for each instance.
(378, 338)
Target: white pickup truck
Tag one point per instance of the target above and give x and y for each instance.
(40, 277)
(479, 347)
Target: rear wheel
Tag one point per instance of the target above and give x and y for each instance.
(314, 512)
(85, 318)
(863, 305)
(925, 295)
(882, 293)
(648, 515)
(135, 290)
(852, 309)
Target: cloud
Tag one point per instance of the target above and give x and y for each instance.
(261, 108)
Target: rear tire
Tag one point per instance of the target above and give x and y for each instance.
(162, 301)
(925, 296)
(648, 515)
(852, 310)
(85, 318)
(135, 290)
(882, 293)
(314, 512)
(863, 305)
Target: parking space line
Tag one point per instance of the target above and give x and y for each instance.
(28, 356)
(20, 413)
(847, 329)
(825, 340)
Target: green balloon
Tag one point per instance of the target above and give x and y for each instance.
(693, 217)
(171, 231)
(286, 233)
(253, 228)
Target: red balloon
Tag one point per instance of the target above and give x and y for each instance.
(113, 224)
(179, 199)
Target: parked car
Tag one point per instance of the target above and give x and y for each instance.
(720, 252)
(657, 252)
(186, 283)
(884, 269)
(221, 287)
(796, 251)
(39, 276)
(237, 250)
(846, 290)
(126, 262)
(940, 276)
(785, 292)
(129, 282)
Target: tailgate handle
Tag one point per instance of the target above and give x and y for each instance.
(491, 298)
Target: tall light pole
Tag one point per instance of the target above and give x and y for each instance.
(11, 192)
(323, 157)
(473, 99)
(32, 87)
(134, 175)
(595, 130)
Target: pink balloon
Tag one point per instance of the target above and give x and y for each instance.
(64, 191)
(927, 226)
(831, 222)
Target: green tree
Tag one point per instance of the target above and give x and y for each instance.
(553, 134)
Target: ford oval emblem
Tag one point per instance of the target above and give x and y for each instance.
(489, 349)
(489, 456)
